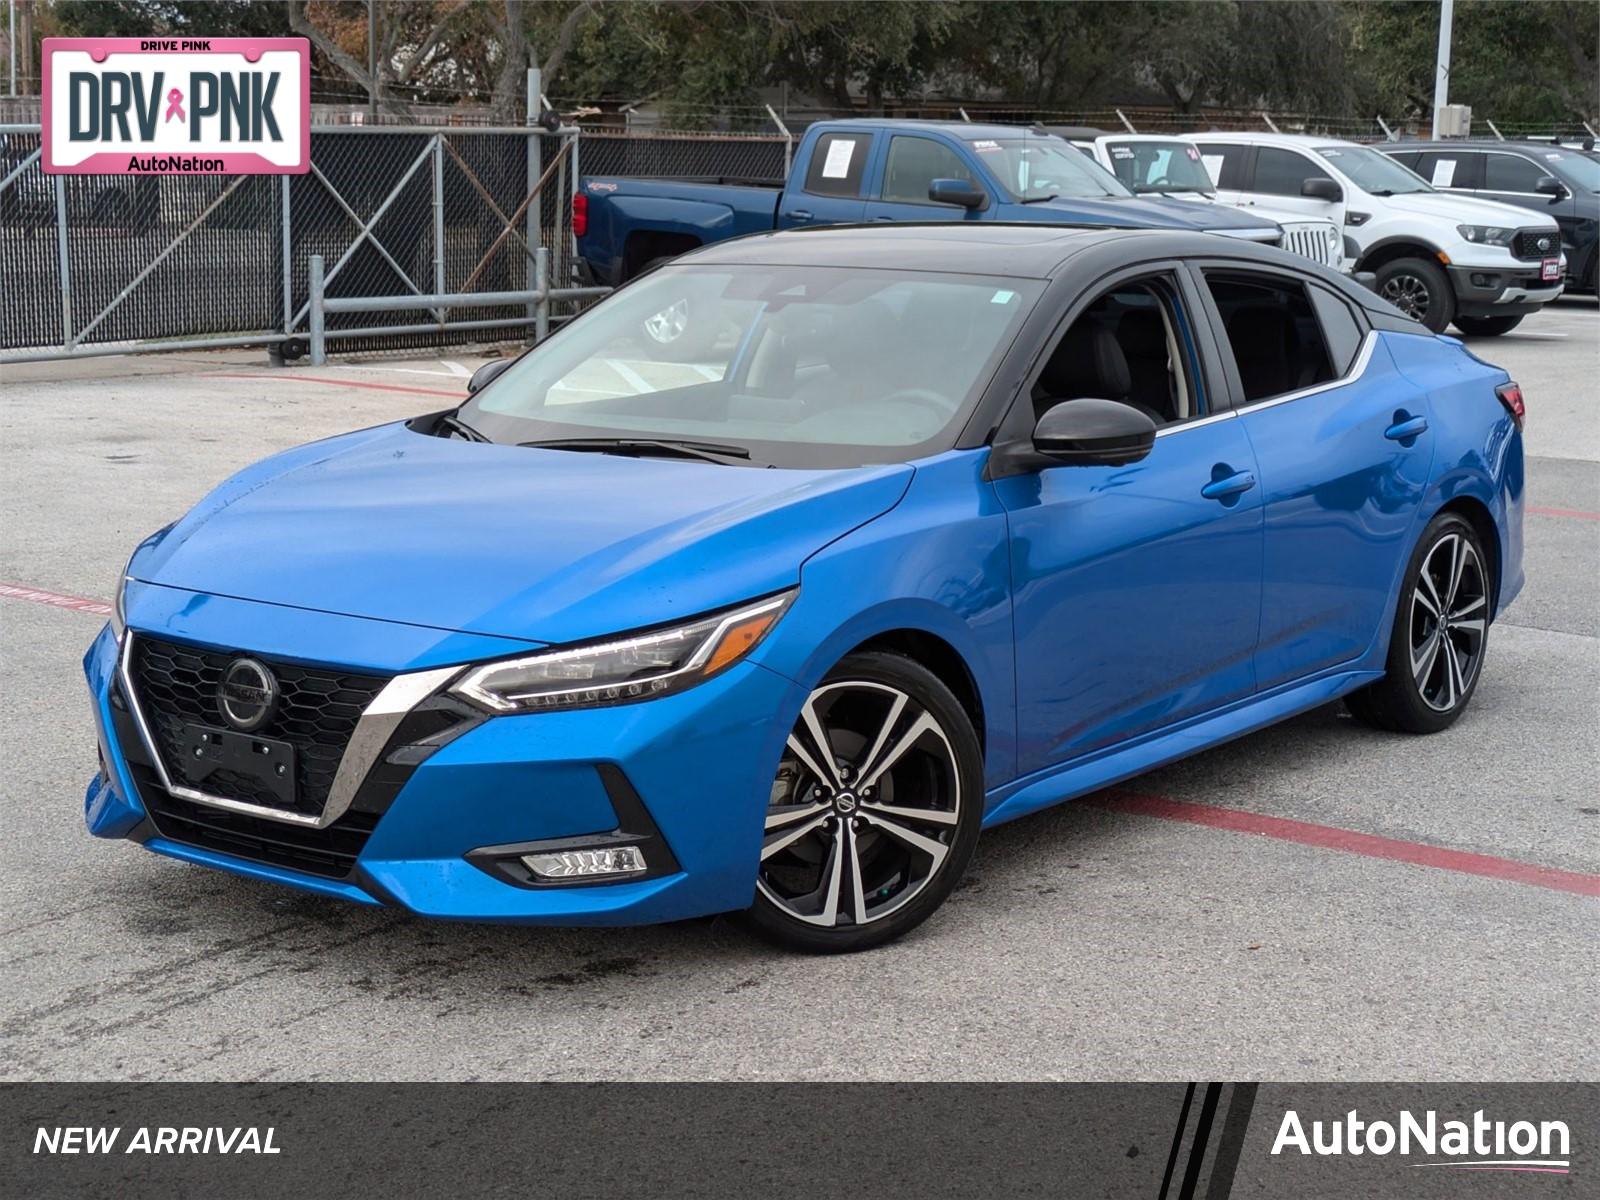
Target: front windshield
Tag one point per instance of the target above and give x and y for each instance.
(801, 366)
(1575, 169)
(1372, 171)
(1160, 167)
(1041, 168)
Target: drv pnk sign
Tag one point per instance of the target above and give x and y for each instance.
(177, 106)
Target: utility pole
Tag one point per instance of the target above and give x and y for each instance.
(11, 41)
(372, 60)
(1441, 79)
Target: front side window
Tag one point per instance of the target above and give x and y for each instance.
(1277, 343)
(1511, 173)
(1447, 169)
(1224, 162)
(838, 163)
(1173, 166)
(1042, 168)
(914, 163)
(1373, 171)
(1282, 172)
(800, 366)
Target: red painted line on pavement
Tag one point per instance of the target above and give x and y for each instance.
(18, 591)
(349, 383)
(1576, 514)
(1326, 837)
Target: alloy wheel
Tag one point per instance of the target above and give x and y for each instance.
(1409, 294)
(864, 809)
(1449, 618)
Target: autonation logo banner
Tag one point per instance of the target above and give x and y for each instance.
(1472, 1143)
(177, 106)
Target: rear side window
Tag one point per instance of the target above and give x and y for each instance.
(1339, 328)
(1510, 173)
(1272, 328)
(914, 163)
(838, 162)
(1224, 162)
(1283, 172)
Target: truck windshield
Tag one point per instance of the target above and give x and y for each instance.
(1373, 172)
(1041, 168)
(1173, 166)
(1573, 169)
(798, 365)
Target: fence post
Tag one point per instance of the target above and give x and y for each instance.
(66, 262)
(788, 138)
(541, 276)
(438, 219)
(287, 233)
(319, 350)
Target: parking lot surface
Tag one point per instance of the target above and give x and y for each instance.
(1216, 919)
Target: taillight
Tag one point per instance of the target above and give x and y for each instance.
(580, 214)
(1511, 396)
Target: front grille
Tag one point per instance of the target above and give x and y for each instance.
(1309, 241)
(330, 852)
(1526, 244)
(317, 712)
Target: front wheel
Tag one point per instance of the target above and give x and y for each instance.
(1441, 629)
(1487, 326)
(1420, 289)
(874, 812)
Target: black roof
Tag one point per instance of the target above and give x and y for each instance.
(1021, 250)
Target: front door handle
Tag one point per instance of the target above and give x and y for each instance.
(1406, 428)
(799, 214)
(1229, 485)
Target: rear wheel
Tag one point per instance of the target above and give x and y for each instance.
(1441, 630)
(1487, 326)
(1420, 289)
(874, 812)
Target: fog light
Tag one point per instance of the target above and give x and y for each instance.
(575, 864)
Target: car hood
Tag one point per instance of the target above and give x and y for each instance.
(543, 545)
(1468, 210)
(1280, 216)
(1150, 212)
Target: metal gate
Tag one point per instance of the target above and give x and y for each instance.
(120, 264)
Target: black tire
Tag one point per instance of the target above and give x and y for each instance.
(841, 871)
(1417, 698)
(1420, 289)
(1487, 326)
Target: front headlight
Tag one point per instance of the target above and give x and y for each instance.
(627, 669)
(1486, 235)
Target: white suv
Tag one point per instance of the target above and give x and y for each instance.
(1439, 258)
(1150, 164)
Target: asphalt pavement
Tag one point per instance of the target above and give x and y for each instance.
(1138, 939)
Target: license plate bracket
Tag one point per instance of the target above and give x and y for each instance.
(265, 762)
(1550, 270)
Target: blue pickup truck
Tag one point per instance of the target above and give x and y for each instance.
(879, 170)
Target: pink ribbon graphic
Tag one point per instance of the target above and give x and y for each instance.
(175, 105)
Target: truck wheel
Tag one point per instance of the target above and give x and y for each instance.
(1419, 289)
(1487, 326)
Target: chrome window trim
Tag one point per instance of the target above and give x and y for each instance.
(1358, 368)
(378, 721)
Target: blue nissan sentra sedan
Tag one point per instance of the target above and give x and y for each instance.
(770, 581)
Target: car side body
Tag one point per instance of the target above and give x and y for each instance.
(1092, 621)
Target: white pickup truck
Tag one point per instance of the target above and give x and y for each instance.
(1151, 164)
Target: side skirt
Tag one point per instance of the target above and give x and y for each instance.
(1114, 764)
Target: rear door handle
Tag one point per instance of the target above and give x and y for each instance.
(1229, 485)
(1409, 428)
(799, 214)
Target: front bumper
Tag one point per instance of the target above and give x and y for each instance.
(691, 770)
(1500, 290)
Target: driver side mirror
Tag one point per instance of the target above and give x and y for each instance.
(486, 374)
(1094, 433)
(1549, 185)
(1322, 189)
(957, 191)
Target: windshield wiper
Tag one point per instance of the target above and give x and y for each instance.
(716, 452)
(456, 425)
(1040, 199)
(1384, 192)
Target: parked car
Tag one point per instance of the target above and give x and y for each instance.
(948, 524)
(1440, 258)
(1549, 180)
(1151, 164)
(876, 170)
